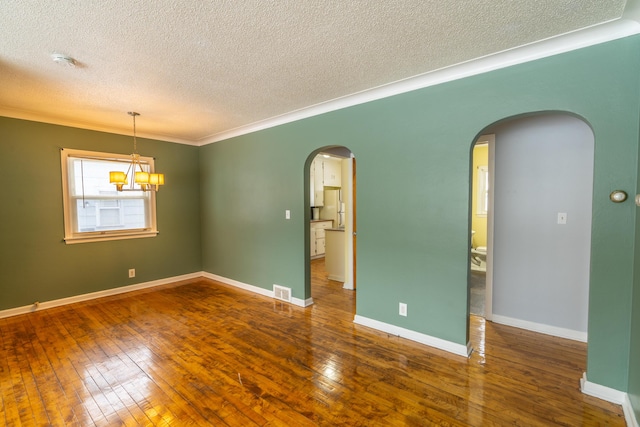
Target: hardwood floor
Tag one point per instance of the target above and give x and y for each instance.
(200, 353)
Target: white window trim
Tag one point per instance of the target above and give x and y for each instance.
(71, 237)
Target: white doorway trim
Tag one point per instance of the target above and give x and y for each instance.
(488, 292)
(348, 224)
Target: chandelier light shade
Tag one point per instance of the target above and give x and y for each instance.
(156, 179)
(118, 178)
(146, 180)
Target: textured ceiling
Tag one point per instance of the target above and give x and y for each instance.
(197, 69)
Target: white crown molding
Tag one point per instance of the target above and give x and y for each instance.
(37, 117)
(451, 347)
(563, 43)
(626, 26)
(540, 328)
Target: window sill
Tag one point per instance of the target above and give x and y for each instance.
(97, 237)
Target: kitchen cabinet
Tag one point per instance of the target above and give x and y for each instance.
(332, 172)
(335, 253)
(323, 172)
(317, 182)
(317, 239)
(312, 183)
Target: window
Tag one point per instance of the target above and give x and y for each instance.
(483, 191)
(93, 209)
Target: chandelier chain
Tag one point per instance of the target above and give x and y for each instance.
(136, 174)
(135, 142)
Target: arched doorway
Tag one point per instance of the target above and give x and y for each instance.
(539, 223)
(332, 222)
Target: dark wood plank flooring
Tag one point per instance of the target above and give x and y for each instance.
(201, 353)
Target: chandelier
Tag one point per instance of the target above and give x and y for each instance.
(146, 180)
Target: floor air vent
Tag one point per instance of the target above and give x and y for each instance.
(282, 293)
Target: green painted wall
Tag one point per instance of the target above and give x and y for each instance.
(35, 263)
(634, 354)
(245, 191)
(413, 168)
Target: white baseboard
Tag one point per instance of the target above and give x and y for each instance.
(541, 328)
(602, 392)
(255, 289)
(459, 349)
(451, 347)
(123, 289)
(245, 286)
(94, 295)
(629, 414)
(610, 395)
(302, 303)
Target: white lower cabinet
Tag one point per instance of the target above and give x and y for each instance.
(320, 246)
(318, 237)
(334, 259)
(313, 242)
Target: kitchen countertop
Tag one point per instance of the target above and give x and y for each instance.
(334, 229)
(321, 220)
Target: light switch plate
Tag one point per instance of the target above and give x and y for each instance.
(287, 214)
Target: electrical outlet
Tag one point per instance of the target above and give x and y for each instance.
(132, 272)
(562, 218)
(403, 309)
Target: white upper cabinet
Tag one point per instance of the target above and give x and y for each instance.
(317, 182)
(312, 185)
(332, 172)
(318, 165)
(323, 172)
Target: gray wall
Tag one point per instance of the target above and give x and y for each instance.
(543, 166)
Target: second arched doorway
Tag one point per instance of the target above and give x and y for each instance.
(332, 220)
(539, 223)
